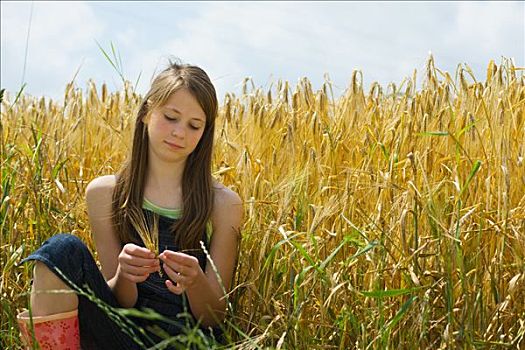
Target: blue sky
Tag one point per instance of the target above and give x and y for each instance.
(262, 40)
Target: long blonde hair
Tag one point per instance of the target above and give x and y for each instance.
(197, 182)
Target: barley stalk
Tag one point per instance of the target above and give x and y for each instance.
(149, 233)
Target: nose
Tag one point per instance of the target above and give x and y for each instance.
(178, 131)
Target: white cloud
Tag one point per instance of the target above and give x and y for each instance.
(291, 40)
(265, 40)
(488, 26)
(61, 35)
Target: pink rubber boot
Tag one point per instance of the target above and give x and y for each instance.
(53, 332)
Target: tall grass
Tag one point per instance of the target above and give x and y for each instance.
(389, 218)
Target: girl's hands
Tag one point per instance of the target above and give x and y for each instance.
(135, 263)
(183, 269)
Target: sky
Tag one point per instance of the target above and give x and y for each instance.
(265, 41)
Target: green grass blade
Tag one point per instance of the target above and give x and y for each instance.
(390, 293)
(334, 252)
(472, 173)
(433, 133)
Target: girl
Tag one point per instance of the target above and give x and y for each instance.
(168, 176)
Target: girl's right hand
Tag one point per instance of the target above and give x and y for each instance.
(135, 263)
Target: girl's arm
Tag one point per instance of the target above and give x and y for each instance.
(205, 294)
(122, 267)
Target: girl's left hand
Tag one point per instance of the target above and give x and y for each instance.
(183, 269)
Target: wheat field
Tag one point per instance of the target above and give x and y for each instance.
(392, 218)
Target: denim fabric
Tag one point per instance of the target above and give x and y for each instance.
(69, 255)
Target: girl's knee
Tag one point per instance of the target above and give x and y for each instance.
(66, 238)
(62, 257)
(66, 243)
(65, 252)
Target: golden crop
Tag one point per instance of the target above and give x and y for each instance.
(393, 218)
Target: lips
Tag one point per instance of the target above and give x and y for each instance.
(173, 145)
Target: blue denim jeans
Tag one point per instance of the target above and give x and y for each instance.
(71, 260)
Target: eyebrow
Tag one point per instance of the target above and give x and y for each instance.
(194, 118)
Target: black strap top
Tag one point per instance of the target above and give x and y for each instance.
(153, 292)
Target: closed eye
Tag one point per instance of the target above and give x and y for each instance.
(194, 127)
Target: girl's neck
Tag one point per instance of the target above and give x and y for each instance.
(164, 179)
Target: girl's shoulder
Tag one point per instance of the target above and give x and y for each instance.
(224, 196)
(101, 188)
(226, 214)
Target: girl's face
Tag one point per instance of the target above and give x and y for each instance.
(174, 129)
